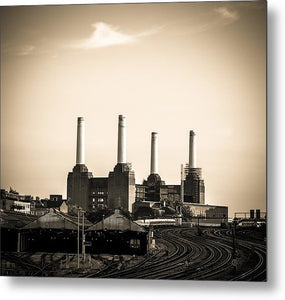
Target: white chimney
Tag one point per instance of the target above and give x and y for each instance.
(122, 157)
(154, 154)
(192, 150)
(80, 149)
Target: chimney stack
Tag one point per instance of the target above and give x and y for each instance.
(192, 150)
(80, 150)
(154, 154)
(122, 140)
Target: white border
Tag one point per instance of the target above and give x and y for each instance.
(54, 288)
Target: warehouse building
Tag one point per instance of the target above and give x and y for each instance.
(117, 234)
(52, 232)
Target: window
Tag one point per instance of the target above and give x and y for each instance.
(100, 200)
(135, 243)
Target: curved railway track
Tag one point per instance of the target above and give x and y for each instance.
(209, 257)
(255, 250)
(180, 254)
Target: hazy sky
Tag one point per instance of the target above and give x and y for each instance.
(167, 67)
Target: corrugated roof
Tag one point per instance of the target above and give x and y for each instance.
(52, 220)
(74, 219)
(116, 222)
(14, 220)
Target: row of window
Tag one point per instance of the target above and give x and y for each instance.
(99, 193)
(99, 200)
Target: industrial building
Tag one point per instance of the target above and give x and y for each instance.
(153, 195)
(98, 193)
(78, 179)
(119, 191)
(117, 234)
(51, 232)
(115, 191)
(51, 226)
(194, 188)
(205, 211)
(10, 224)
(152, 198)
(56, 232)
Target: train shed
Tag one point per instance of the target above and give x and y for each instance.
(10, 224)
(52, 232)
(117, 235)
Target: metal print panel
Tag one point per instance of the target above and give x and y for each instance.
(133, 141)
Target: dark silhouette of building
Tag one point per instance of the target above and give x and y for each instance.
(98, 193)
(78, 179)
(194, 187)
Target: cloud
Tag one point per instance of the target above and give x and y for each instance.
(26, 50)
(105, 35)
(18, 50)
(226, 16)
(214, 18)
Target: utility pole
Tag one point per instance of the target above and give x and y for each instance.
(198, 225)
(83, 237)
(78, 237)
(234, 259)
(19, 242)
(234, 239)
(182, 185)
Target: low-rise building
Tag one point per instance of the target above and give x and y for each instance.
(13, 201)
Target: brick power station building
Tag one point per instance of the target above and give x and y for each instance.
(119, 191)
(91, 193)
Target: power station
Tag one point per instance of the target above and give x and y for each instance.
(119, 190)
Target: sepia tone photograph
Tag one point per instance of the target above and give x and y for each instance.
(133, 141)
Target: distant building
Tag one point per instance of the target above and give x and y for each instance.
(91, 193)
(118, 191)
(121, 187)
(154, 195)
(194, 187)
(63, 207)
(40, 207)
(98, 193)
(206, 211)
(78, 186)
(12, 201)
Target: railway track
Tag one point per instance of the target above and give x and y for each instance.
(206, 259)
(255, 250)
(209, 258)
(181, 254)
(27, 267)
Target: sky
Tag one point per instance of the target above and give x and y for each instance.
(169, 68)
